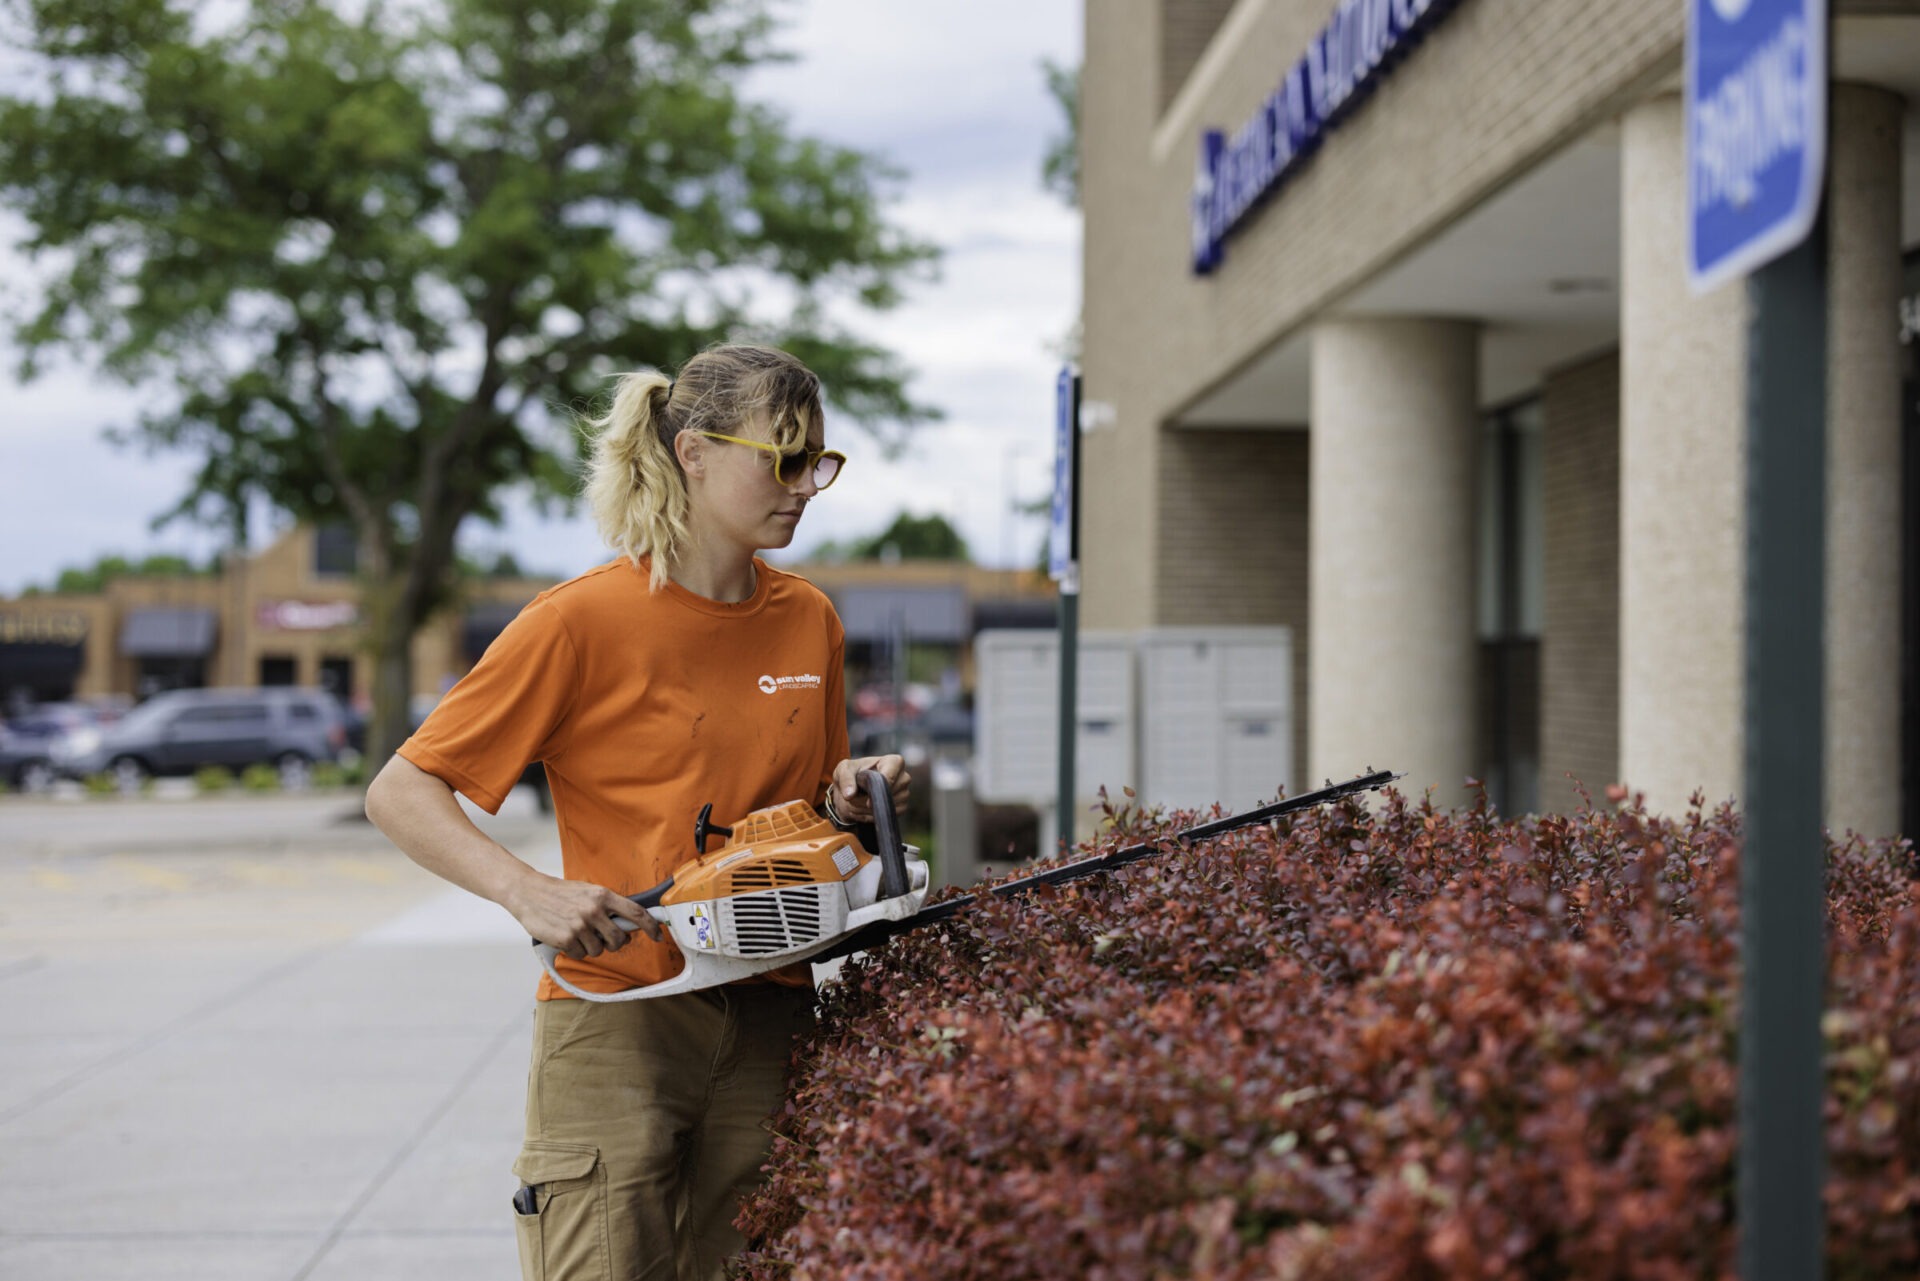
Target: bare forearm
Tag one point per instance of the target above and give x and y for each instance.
(419, 813)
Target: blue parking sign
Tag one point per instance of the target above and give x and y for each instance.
(1756, 118)
(1061, 552)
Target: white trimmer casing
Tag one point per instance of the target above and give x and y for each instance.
(740, 935)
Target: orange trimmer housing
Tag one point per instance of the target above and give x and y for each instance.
(782, 845)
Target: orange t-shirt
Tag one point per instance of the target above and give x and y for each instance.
(646, 706)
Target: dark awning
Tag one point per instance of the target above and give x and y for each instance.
(483, 622)
(1030, 612)
(167, 633)
(928, 615)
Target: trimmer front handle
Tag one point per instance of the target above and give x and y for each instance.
(647, 900)
(886, 844)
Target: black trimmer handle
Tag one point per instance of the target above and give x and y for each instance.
(644, 899)
(652, 897)
(886, 834)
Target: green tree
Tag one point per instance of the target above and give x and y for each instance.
(87, 579)
(497, 564)
(1060, 166)
(370, 257)
(505, 565)
(909, 537)
(1060, 174)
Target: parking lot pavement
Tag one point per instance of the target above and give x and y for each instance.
(247, 1039)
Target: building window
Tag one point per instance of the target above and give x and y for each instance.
(1511, 583)
(336, 676)
(278, 669)
(335, 551)
(157, 675)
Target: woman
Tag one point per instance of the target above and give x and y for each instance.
(643, 686)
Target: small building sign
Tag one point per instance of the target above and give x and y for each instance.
(52, 627)
(305, 616)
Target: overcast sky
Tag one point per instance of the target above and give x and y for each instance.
(954, 95)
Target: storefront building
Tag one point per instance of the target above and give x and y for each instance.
(1388, 306)
(290, 615)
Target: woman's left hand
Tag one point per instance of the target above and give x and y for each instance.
(850, 800)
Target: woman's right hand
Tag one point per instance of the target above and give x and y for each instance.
(576, 917)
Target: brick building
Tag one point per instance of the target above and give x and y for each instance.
(290, 615)
(1439, 399)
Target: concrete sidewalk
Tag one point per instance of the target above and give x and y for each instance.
(333, 1093)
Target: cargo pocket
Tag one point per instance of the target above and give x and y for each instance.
(560, 1213)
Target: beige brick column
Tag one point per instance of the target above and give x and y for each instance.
(1392, 649)
(1232, 549)
(1863, 464)
(1580, 640)
(1682, 488)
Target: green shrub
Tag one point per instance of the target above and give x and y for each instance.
(100, 785)
(260, 778)
(212, 778)
(1356, 1044)
(327, 774)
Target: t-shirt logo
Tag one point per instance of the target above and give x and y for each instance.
(775, 684)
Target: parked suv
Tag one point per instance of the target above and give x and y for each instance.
(184, 730)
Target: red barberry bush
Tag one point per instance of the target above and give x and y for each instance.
(1397, 1043)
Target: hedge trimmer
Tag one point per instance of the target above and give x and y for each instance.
(790, 886)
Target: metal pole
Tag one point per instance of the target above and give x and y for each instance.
(1069, 709)
(1070, 628)
(1782, 1153)
(897, 657)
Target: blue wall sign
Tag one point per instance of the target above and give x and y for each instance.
(1061, 553)
(1344, 63)
(1756, 131)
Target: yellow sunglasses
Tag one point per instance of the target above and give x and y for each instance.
(788, 468)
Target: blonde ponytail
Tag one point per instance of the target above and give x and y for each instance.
(634, 488)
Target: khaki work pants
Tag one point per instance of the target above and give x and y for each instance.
(647, 1122)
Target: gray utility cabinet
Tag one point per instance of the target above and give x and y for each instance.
(1216, 715)
(1186, 716)
(1016, 717)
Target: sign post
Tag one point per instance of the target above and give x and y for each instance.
(1756, 119)
(1063, 566)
